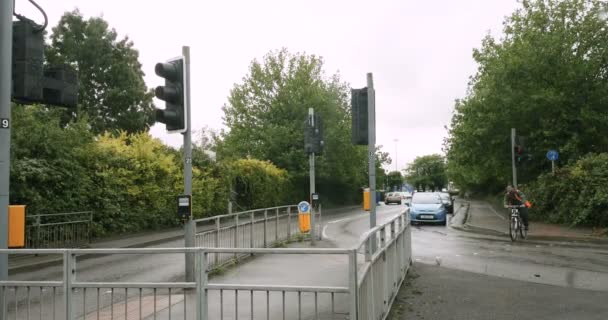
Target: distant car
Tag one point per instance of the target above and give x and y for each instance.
(427, 207)
(448, 201)
(405, 195)
(392, 197)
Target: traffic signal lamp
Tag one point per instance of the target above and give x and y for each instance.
(173, 93)
(31, 81)
(359, 116)
(313, 135)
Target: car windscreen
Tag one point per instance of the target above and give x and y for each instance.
(423, 198)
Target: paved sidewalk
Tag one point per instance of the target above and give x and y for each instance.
(484, 218)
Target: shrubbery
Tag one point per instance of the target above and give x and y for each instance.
(577, 194)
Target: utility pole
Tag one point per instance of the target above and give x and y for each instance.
(6, 51)
(513, 157)
(371, 109)
(311, 161)
(190, 225)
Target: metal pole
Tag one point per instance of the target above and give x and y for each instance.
(311, 119)
(553, 167)
(371, 111)
(513, 157)
(396, 157)
(190, 226)
(6, 51)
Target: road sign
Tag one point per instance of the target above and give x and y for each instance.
(552, 155)
(304, 207)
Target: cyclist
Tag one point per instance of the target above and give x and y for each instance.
(514, 197)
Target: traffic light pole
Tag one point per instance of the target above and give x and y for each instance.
(311, 161)
(6, 51)
(190, 225)
(513, 157)
(371, 110)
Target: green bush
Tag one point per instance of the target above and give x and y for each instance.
(577, 194)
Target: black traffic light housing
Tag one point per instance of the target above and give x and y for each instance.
(359, 116)
(173, 93)
(32, 82)
(313, 136)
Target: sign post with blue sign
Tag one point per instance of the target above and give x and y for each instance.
(552, 155)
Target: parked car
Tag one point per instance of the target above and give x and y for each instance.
(448, 201)
(427, 207)
(392, 197)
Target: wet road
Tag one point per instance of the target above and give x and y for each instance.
(576, 265)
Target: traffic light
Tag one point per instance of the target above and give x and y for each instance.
(31, 81)
(519, 152)
(27, 62)
(359, 116)
(318, 142)
(313, 135)
(173, 93)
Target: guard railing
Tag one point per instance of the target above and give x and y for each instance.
(373, 272)
(258, 228)
(58, 230)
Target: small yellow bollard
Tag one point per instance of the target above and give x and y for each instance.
(304, 216)
(16, 226)
(366, 202)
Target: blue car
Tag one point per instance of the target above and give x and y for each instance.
(427, 207)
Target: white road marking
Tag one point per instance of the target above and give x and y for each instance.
(498, 214)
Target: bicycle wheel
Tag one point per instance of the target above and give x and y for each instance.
(513, 228)
(522, 231)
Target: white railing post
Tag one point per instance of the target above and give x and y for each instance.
(265, 228)
(236, 234)
(68, 279)
(218, 229)
(288, 222)
(251, 229)
(352, 285)
(276, 226)
(202, 304)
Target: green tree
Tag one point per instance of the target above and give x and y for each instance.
(427, 173)
(111, 90)
(266, 115)
(395, 180)
(546, 77)
(47, 170)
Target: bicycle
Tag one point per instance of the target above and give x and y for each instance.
(515, 224)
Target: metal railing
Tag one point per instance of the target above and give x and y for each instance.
(385, 268)
(258, 228)
(58, 230)
(369, 283)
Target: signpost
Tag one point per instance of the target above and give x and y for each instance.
(552, 155)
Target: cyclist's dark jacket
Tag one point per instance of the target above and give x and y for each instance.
(514, 198)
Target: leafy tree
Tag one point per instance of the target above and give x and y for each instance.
(47, 171)
(395, 180)
(112, 92)
(546, 77)
(266, 115)
(428, 173)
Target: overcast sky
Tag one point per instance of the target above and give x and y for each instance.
(419, 51)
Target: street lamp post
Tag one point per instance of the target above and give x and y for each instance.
(396, 158)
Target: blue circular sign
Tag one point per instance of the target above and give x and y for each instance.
(304, 207)
(552, 155)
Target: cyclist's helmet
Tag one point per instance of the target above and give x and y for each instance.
(510, 189)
